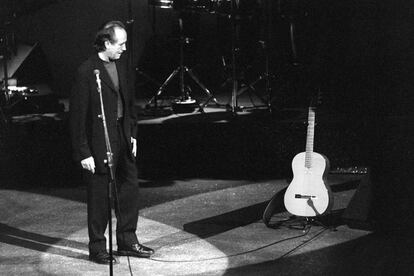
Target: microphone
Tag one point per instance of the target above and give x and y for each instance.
(98, 80)
(96, 72)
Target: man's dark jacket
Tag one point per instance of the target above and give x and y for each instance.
(86, 125)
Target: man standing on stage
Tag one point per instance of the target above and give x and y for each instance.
(89, 147)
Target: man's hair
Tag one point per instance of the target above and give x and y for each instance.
(106, 33)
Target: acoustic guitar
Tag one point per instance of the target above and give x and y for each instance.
(308, 195)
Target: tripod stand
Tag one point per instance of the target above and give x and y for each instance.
(5, 91)
(236, 16)
(7, 48)
(185, 98)
(266, 76)
(153, 5)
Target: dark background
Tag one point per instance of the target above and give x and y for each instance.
(359, 52)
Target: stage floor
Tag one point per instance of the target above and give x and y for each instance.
(197, 227)
(206, 180)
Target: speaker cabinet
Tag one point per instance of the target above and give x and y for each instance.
(357, 214)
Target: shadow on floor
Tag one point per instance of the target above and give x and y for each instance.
(373, 254)
(33, 241)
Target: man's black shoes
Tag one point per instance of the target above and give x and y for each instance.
(102, 257)
(135, 250)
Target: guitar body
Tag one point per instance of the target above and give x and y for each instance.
(308, 195)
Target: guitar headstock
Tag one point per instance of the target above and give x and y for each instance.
(316, 99)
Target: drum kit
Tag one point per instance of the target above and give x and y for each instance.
(209, 6)
(234, 11)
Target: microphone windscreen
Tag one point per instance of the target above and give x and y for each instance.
(96, 72)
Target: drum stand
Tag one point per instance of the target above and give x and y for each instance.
(185, 98)
(266, 76)
(149, 79)
(6, 48)
(5, 92)
(233, 106)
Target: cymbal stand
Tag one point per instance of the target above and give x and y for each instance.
(5, 50)
(130, 30)
(154, 47)
(234, 37)
(235, 23)
(291, 11)
(264, 44)
(181, 70)
(6, 89)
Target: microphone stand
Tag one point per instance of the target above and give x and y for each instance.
(234, 37)
(130, 29)
(5, 50)
(4, 57)
(111, 179)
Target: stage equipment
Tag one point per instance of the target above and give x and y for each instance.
(236, 13)
(358, 212)
(7, 46)
(185, 103)
(22, 72)
(223, 7)
(196, 5)
(291, 11)
(130, 31)
(28, 91)
(210, 6)
(264, 41)
(154, 4)
(163, 4)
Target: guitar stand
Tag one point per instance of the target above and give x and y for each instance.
(302, 223)
(276, 205)
(298, 223)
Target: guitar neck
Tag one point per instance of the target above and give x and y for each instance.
(310, 138)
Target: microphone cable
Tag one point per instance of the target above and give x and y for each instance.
(250, 251)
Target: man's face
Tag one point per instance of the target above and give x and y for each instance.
(114, 50)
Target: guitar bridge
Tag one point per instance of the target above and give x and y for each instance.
(304, 196)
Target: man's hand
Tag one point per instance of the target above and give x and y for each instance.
(134, 146)
(88, 164)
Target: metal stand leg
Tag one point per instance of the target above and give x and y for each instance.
(3, 118)
(161, 89)
(209, 94)
(266, 76)
(4, 55)
(238, 87)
